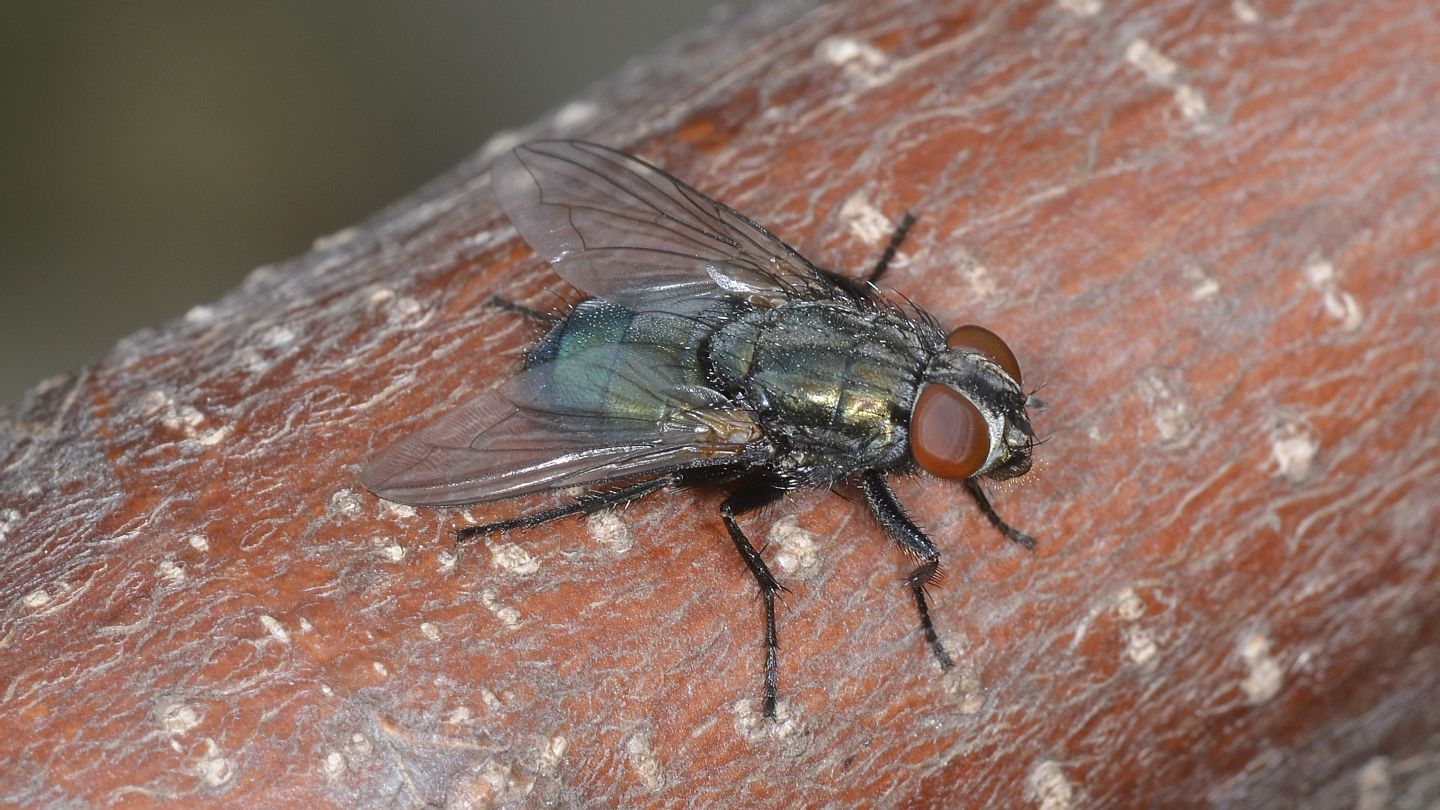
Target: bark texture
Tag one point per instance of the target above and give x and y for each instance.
(1212, 230)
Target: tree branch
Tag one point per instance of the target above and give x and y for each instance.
(1211, 230)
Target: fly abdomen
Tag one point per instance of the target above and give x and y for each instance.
(567, 351)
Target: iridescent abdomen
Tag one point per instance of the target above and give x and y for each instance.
(575, 370)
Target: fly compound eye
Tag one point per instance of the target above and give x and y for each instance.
(972, 338)
(948, 436)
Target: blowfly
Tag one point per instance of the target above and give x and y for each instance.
(709, 351)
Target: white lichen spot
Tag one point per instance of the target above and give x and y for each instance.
(306, 626)
(507, 615)
(399, 510)
(1373, 787)
(1156, 66)
(610, 531)
(1338, 304)
(326, 690)
(199, 542)
(965, 688)
(446, 560)
(1171, 415)
(1244, 12)
(170, 571)
(479, 240)
(844, 50)
(575, 114)
(979, 278)
(380, 669)
(513, 559)
(334, 240)
(346, 502)
(643, 761)
(862, 62)
(1162, 70)
(200, 313)
(360, 745)
(213, 768)
(458, 716)
(277, 336)
(430, 630)
(868, 223)
(334, 764)
(754, 727)
(260, 275)
(175, 716)
(1203, 286)
(154, 401)
(211, 438)
(491, 784)
(398, 307)
(388, 549)
(1191, 102)
(9, 519)
(500, 143)
(1129, 605)
(36, 599)
(1048, 787)
(252, 360)
(183, 419)
(548, 762)
(798, 555)
(1306, 657)
(1293, 449)
(1265, 675)
(1140, 646)
(276, 630)
(1083, 8)
(491, 700)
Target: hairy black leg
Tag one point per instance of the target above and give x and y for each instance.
(750, 496)
(995, 520)
(895, 239)
(585, 504)
(891, 514)
(511, 306)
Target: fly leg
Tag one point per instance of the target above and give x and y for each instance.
(896, 238)
(510, 306)
(891, 514)
(753, 495)
(995, 520)
(588, 503)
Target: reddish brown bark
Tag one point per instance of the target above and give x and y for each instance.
(1210, 229)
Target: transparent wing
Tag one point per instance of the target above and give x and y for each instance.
(610, 412)
(616, 227)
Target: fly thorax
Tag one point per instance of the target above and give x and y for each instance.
(828, 380)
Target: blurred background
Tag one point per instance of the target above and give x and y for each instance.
(153, 153)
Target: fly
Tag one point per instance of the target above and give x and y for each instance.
(709, 351)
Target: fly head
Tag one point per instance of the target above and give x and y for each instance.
(969, 418)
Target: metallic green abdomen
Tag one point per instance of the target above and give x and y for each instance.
(586, 375)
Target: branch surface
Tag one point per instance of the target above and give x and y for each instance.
(1212, 230)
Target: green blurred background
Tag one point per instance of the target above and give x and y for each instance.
(153, 153)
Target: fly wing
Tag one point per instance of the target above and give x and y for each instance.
(606, 413)
(616, 227)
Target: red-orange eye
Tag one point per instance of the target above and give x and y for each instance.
(972, 338)
(948, 436)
